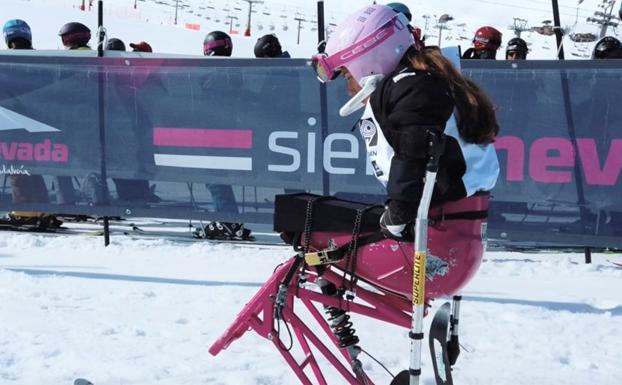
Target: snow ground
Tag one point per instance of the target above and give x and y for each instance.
(145, 312)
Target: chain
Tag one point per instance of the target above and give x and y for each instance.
(353, 247)
(308, 224)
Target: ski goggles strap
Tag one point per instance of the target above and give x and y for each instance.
(210, 45)
(328, 67)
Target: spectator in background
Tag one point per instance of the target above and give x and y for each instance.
(218, 43)
(141, 47)
(516, 49)
(401, 8)
(75, 36)
(607, 48)
(131, 190)
(26, 188)
(486, 42)
(115, 44)
(268, 46)
(415, 31)
(609, 221)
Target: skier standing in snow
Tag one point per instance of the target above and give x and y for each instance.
(607, 48)
(142, 46)
(516, 49)
(26, 188)
(218, 43)
(269, 46)
(486, 42)
(114, 44)
(409, 93)
(75, 36)
(609, 220)
(130, 190)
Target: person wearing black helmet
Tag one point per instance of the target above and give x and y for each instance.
(115, 44)
(75, 35)
(516, 49)
(268, 46)
(607, 48)
(217, 43)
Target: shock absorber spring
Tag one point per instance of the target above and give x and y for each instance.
(339, 322)
(338, 319)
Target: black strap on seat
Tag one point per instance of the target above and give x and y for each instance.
(466, 215)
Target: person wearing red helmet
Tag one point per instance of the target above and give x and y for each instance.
(486, 42)
(141, 47)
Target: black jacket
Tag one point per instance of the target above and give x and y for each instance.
(407, 104)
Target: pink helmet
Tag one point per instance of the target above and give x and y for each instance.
(370, 41)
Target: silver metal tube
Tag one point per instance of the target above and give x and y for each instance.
(419, 266)
(455, 314)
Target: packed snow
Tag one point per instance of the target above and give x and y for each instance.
(146, 311)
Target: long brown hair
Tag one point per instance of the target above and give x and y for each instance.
(476, 118)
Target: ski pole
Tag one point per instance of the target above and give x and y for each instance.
(435, 149)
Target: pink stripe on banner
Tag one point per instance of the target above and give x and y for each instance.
(202, 137)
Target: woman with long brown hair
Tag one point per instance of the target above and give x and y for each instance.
(408, 92)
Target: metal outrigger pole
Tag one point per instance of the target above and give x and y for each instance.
(435, 149)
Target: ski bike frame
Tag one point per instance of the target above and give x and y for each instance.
(258, 315)
(378, 287)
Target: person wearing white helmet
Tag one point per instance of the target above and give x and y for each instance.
(409, 93)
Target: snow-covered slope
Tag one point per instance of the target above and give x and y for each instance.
(153, 21)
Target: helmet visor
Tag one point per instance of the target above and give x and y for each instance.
(76, 39)
(328, 68)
